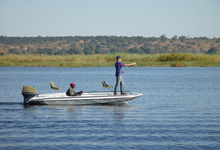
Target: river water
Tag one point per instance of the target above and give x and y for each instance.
(180, 109)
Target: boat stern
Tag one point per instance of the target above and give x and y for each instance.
(28, 92)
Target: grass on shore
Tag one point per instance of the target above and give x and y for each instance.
(108, 60)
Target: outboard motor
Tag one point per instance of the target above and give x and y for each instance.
(28, 92)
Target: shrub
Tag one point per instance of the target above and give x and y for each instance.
(185, 57)
(178, 64)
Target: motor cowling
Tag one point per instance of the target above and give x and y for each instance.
(28, 92)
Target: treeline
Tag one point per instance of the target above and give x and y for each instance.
(107, 45)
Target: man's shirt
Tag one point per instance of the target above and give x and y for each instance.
(118, 66)
(70, 92)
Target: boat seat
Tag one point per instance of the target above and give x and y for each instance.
(106, 85)
(54, 87)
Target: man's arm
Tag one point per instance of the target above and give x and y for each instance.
(129, 65)
(78, 93)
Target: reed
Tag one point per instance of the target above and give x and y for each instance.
(187, 57)
(107, 60)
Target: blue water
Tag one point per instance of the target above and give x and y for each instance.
(180, 109)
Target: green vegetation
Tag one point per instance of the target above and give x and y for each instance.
(108, 60)
(88, 45)
(100, 51)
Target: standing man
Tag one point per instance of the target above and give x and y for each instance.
(118, 75)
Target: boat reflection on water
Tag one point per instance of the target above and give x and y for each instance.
(84, 112)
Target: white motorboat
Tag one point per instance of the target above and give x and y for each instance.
(30, 97)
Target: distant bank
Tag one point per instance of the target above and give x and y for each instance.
(87, 45)
(108, 60)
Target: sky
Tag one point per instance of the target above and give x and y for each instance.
(147, 18)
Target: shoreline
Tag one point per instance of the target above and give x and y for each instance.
(108, 60)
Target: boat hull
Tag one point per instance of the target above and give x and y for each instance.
(84, 99)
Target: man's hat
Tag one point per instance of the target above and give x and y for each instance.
(72, 84)
(118, 57)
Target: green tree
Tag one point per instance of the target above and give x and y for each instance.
(14, 51)
(114, 50)
(163, 38)
(212, 50)
(98, 50)
(182, 38)
(174, 38)
(87, 50)
(135, 50)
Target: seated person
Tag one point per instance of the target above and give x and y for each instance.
(71, 92)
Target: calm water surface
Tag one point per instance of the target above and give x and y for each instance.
(180, 109)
